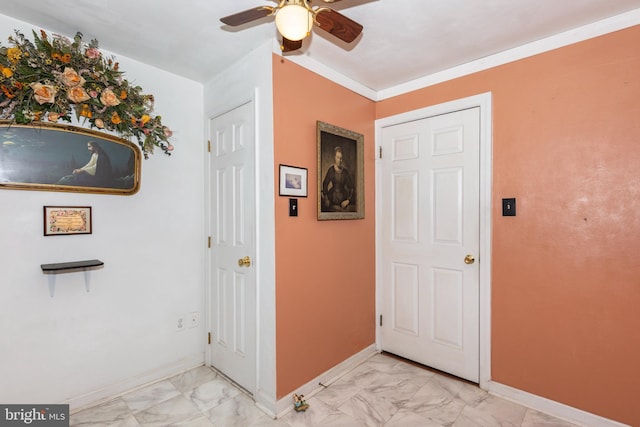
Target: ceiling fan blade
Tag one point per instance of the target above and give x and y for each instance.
(339, 25)
(290, 45)
(247, 16)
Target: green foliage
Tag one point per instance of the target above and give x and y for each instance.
(53, 78)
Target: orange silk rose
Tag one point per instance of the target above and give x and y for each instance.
(77, 94)
(109, 98)
(44, 94)
(71, 78)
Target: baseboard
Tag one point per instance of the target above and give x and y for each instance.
(556, 409)
(267, 410)
(266, 402)
(118, 389)
(284, 405)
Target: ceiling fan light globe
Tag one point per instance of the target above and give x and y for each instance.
(294, 22)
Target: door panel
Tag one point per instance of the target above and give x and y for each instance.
(430, 222)
(405, 298)
(233, 292)
(446, 192)
(405, 207)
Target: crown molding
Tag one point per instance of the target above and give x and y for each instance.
(576, 35)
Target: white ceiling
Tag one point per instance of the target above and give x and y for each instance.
(402, 39)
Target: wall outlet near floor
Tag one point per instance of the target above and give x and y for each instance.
(181, 323)
(194, 319)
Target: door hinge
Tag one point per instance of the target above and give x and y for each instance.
(209, 242)
(380, 152)
(209, 145)
(208, 337)
(381, 320)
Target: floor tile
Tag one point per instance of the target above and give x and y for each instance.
(360, 409)
(472, 395)
(388, 393)
(360, 376)
(534, 418)
(340, 419)
(193, 378)
(380, 362)
(268, 422)
(198, 422)
(149, 396)
(212, 393)
(492, 412)
(407, 418)
(336, 394)
(176, 411)
(381, 392)
(113, 413)
(410, 372)
(240, 411)
(317, 412)
(437, 401)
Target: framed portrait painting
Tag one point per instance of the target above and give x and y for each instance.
(57, 157)
(340, 173)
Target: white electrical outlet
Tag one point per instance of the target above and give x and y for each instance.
(194, 319)
(181, 323)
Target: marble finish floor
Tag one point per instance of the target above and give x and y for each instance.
(383, 391)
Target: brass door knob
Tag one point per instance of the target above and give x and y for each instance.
(244, 262)
(469, 259)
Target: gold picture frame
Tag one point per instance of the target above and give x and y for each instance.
(65, 220)
(340, 155)
(56, 157)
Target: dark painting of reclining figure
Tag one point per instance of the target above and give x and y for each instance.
(51, 157)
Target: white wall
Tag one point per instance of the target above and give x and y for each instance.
(79, 347)
(251, 79)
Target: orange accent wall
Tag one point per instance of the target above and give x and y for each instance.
(566, 275)
(325, 270)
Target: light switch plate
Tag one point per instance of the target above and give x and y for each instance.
(509, 207)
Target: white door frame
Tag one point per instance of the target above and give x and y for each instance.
(486, 191)
(264, 393)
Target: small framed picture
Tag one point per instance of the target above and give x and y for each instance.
(293, 181)
(65, 220)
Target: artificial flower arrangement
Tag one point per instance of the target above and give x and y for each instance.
(53, 78)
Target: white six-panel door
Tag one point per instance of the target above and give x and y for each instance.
(233, 286)
(430, 241)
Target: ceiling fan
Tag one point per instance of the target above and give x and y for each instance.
(295, 18)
